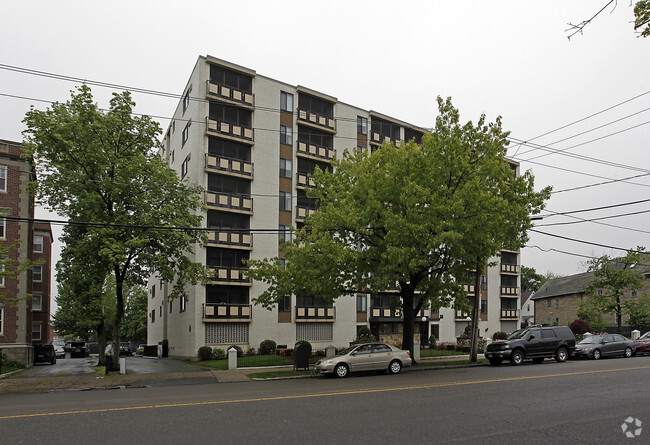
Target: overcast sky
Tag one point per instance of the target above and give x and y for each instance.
(507, 58)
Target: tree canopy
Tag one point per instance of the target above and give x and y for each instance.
(410, 221)
(102, 170)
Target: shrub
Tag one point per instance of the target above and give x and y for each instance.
(450, 347)
(499, 335)
(432, 341)
(267, 347)
(205, 353)
(218, 354)
(580, 327)
(240, 353)
(286, 352)
(304, 342)
(364, 331)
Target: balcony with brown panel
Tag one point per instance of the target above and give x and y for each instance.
(230, 239)
(315, 152)
(315, 314)
(227, 130)
(230, 95)
(316, 120)
(229, 202)
(232, 276)
(229, 166)
(221, 312)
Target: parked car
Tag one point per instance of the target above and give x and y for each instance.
(44, 354)
(643, 344)
(140, 349)
(125, 349)
(59, 351)
(534, 342)
(597, 346)
(365, 357)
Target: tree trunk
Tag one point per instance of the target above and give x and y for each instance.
(101, 342)
(476, 313)
(619, 317)
(408, 312)
(119, 314)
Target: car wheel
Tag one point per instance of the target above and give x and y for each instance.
(341, 370)
(538, 360)
(395, 367)
(561, 355)
(495, 361)
(517, 358)
(596, 354)
(628, 352)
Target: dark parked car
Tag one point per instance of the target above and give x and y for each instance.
(611, 345)
(126, 349)
(536, 343)
(44, 354)
(643, 344)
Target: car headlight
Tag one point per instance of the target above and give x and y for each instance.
(506, 346)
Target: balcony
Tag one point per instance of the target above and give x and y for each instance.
(315, 313)
(303, 212)
(230, 95)
(315, 152)
(509, 291)
(226, 312)
(469, 288)
(230, 275)
(229, 202)
(303, 181)
(379, 139)
(233, 240)
(462, 315)
(227, 130)
(388, 314)
(229, 166)
(509, 314)
(510, 268)
(316, 120)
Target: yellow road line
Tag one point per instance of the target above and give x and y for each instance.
(328, 394)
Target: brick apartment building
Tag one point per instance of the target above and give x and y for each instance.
(24, 296)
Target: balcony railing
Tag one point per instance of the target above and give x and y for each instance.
(221, 91)
(510, 291)
(303, 212)
(388, 313)
(230, 275)
(509, 268)
(231, 131)
(303, 180)
(318, 120)
(227, 312)
(227, 201)
(462, 315)
(315, 151)
(315, 313)
(469, 288)
(379, 139)
(235, 240)
(509, 314)
(235, 167)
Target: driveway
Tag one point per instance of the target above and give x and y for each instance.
(84, 366)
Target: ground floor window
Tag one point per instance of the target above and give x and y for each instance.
(315, 331)
(36, 331)
(226, 333)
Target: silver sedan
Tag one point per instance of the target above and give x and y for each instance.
(365, 357)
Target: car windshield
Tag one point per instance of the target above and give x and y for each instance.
(591, 340)
(645, 336)
(348, 350)
(517, 334)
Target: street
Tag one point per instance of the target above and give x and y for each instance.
(577, 401)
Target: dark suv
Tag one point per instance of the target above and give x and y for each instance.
(44, 354)
(535, 342)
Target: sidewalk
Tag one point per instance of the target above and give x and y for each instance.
(16, 384)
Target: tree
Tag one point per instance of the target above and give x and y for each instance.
(530, 279)
(134, 327)
(642, 17)
(612, 278)
(639, 311)
(409, 220)
(102, 170)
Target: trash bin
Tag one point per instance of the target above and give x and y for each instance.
(301, 357)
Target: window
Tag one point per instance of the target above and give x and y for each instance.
(634, 294)
(170, 306)
(286, 101)
(161, 284)
(3, 178)
(2, 320)
(153, 315)
(37, 274)
(284, 234)
(183, 304)
(362, 303)
(38, 244)
(2, 275)
(285, 167)
(185, 167)
(36, 331)
(285, 304)
(548, 303)
(186, 132)
(286, 135)
(483, 306)
(557, 303)
(186, 99)
(153, 291)
(37, 302)
(362, 125)
(285, 201)
(3, 228)
(161, 310)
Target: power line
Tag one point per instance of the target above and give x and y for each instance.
(612, 206)
(584, 242)
(601, 183)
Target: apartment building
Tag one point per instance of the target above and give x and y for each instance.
(251, 142)
(25, 297)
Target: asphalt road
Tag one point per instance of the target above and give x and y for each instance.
(575, 402)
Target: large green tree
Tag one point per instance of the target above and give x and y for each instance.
(412, 220)
(613, 277)
(642, 17)
(103, 169)
(530, 279)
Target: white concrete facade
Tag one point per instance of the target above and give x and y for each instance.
(224, 314)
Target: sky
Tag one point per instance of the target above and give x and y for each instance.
(578, 109)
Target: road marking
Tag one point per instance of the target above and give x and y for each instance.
(327, 394)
